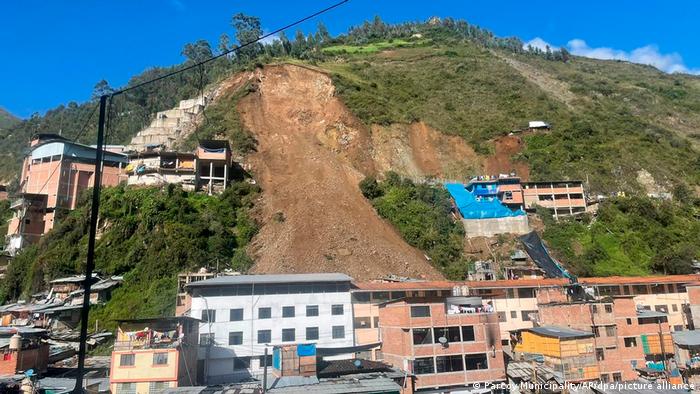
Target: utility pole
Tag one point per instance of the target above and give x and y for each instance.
(90, 264)
(264, 385)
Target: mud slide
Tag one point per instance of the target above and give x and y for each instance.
(312, 153)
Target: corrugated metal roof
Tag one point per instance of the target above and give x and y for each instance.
(560, 332)
(686, 338)
(281, 278)
(349, 384)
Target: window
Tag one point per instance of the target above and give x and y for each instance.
(380, 296)
(265, 360)
(208, 316)
(288, 335)
(241, 363)
(526, 315)
(422, 336)
(501, 317)
(423, 365)
(640, 289)
(160, 358)
(605, 378)
(264, 313)
(264, 336)
(475, 361)
(596, 331)
(362, 322)
(594, 308)
(513, 314)
(600, 354)
(629, 321)
(527, 292)
(617, 377)
(674, 307)
(338, 332)
(678, 327)
(126, 388)
(661, 308)
(631, 342)
(375, 320)
(360, 297)
(398, 294)
(467, 333)
(312, 310)
(236, 315)
(337, 310)
(127, 360)
(449, 364)
(510, 294)
(157, 387)
(420, 311)
(311, 333)
(608, 308)
(206, 339)
(287, 311)
(450, 333)
(235, 338)
(610, 331)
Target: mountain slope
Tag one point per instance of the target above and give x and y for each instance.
(7, 119)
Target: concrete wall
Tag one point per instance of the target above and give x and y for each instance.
(221, 355)
(491, 227)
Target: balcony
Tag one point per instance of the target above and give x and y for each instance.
(146, 344)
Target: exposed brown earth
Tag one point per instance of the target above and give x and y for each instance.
(502, 162)
(312, 153)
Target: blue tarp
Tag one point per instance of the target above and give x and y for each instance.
(484, 189)
(471, 207)
(306, 350)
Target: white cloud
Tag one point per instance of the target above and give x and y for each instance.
(649, 54)
(268, 40)
(538, 43)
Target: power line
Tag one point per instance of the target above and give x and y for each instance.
(236, 49)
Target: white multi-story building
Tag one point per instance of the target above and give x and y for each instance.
(243, 315)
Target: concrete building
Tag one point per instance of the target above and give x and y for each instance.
(54, 173)
(568, 351)
(154, 354)
(243, 315)
(183, 302)
(22, 349)
(208, 169)
(482, 213)
(560, 197)
(627, 338)
(447, 343)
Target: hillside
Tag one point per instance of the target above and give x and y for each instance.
(409, 105)
(7, 119)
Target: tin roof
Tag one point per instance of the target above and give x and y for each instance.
(560, 332)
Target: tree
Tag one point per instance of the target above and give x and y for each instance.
(322, 33)
(286, 45)
(224, 43)
(101, 88)
(565, 55)
(370, 188)
(198, 51)
(248, 29)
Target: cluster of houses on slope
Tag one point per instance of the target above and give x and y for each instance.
(297, 333)
(56, 171)
(293, 333)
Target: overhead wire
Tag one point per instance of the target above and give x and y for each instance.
(227, 52)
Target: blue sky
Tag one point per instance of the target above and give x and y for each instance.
(54, 52)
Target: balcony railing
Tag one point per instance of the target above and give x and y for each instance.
(143, 344)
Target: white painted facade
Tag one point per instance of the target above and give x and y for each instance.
(220, 298)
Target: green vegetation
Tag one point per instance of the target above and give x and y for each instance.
(629, 236)
(148, 235)
(223, 121)
(5, 215)
(7, 119)
(369, 48)
(421, 214)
